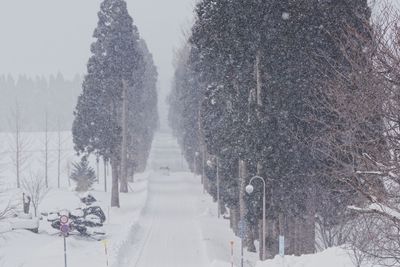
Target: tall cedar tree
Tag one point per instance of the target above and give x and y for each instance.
(247, 78)
(116, 60)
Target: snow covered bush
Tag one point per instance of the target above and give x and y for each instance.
(83, 175)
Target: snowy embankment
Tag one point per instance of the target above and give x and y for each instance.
(217, 236)
(332, 257)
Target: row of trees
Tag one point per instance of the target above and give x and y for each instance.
(116, 114)
(22, 147)
(54, 95)
(304, 94)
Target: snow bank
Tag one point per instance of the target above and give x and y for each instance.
(5, 227)
(217, 236)
(217, 263)
(333, 257)
(17, 223)
(121, 243)
(46, 248)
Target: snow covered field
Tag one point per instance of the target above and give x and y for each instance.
(32, 153)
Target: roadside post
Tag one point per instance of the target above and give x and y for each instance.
(65, 229)
(281, 238)
(105, 250)
(282, 246)
(282, 249)
(232, 243)
(242, 232)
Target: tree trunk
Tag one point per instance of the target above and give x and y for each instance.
(124, 154)
(59, 148)
(258, 78)
(131, 174)
(281, 228)
(236, 220)
(272, 239)
(203, 165)
(105, 174)
(309, 224)
(115, 181)
(26, 203)
(18, 143)
(297, 236)
(46, 151)
(98, 169)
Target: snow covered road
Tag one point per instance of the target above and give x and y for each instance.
(179, 225)
(173, 237)
(168, 233)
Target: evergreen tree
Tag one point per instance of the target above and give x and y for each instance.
(83, 175)
(114, 71)
(248, 79)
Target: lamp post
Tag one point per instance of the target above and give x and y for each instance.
(249, 190)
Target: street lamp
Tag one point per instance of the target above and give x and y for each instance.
(249, 189)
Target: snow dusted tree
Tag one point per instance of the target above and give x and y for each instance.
(83, 175)
(247, 79)
(111, 86)
(142, 113)
(46, 151)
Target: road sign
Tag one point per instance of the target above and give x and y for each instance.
(64, 219)
(232, 243)
(64, 228)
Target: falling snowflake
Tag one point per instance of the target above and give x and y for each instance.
(285, 15)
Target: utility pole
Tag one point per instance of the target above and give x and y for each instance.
(203, 174)
(124, 154)
(218, 196)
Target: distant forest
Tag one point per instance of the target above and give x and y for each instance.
(34, 97)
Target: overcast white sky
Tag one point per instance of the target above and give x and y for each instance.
(47, 36)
